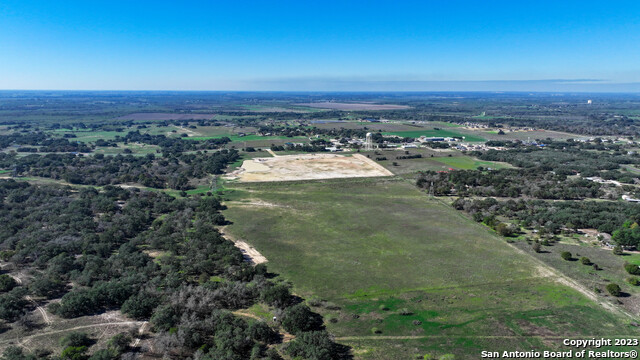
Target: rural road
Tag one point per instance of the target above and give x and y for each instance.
(40, 309)
(141, 331)
(26, 338)
(249, 252)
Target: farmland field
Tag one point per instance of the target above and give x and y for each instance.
(377, 255)
(469, 163)
(432, 160)
(436, 133)
(166, 116)
(353, 106)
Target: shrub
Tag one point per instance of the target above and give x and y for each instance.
(632, 269)
(614, 289)
(566, 255)
(13, 304)
(261, 332)
(596, 267)
(104, 354)
(375, 330)
(119, 343)
(76, 339)
(617, 250)
(47, 287)
(278, 296)
(74, 353)
(405, 311)
(7, 283)
(634, 281)
(585, 260)
(312, 345)
(299, 318)
(140, 306)
(504, 230)
(536, 247)
(77, 303)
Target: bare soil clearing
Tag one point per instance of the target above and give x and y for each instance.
(354, 106)
(250, 254)
(308, 167)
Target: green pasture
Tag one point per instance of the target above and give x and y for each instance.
(378, 253)
(237, 138)
(469, 163)
(92, 135)
(431, 161)
(436, 133)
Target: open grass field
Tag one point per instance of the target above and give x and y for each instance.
(433, 133)
(379, 254)
(91, 136)
(237, 138)
(469, 163)
(432, 160)
(353, 106)
(612, 269)
(165, 116)
(519, 135)
(384, 127)
(136, 149)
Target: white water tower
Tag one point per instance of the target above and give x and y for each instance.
(368, 145)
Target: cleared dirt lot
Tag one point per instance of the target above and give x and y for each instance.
(353, 106)
(307, 167)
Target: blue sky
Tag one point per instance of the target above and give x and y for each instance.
(320, 45)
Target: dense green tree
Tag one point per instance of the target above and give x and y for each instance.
(299, 318)
(140, 306)
(313, 345)
(614, 289)
(7, 283)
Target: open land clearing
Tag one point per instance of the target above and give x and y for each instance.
(353, 106)
(376, 253)
(101, 328)
(308, 167)
(166, 116)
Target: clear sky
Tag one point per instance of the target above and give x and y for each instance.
(320, 45)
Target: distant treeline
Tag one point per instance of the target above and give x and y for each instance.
(174, 171)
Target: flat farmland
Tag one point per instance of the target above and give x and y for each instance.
(431, 160)
(398, 274)
(470, 163)
(353, 106)
(165, 116)
(395, 126)
(437, 133)
(519, 135)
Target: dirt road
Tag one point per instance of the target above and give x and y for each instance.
(250, 254)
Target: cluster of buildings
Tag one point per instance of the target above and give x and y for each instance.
(478, 147)
(471, 125)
